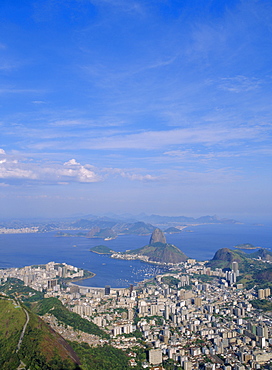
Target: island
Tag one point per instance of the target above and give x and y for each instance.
(245, 246)
(102, 249)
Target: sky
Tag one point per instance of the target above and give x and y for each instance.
(155, 106)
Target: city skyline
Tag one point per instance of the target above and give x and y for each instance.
(135, 106)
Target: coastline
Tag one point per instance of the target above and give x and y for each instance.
(96, 287)
(82, 278)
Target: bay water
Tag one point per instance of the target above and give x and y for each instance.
(199, 242)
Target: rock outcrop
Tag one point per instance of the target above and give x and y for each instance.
(157, 237)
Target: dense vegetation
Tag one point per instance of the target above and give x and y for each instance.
(264, 276)
(203, 278)
(16, 288)
(262, 304)
(101, 249)
(257, 277)
(224, 257)
(12, 320)
(171, 281)
(62, 314)
(161, 252)
(101, 358)
(41, 348)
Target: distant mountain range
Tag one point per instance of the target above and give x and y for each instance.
(120, 224)
(110, 228)
(123, 221)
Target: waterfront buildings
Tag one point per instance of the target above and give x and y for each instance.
(193, 315)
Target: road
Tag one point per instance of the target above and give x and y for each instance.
(23, 331)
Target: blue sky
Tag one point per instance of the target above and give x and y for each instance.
(135, 106)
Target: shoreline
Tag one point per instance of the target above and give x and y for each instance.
(83, 278)
(98, 288)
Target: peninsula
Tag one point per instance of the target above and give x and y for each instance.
(157, 251)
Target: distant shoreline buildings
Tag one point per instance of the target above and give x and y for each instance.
(22, 230)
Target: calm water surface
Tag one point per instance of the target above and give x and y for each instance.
(18, 250)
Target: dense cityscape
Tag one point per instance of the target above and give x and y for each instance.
(201, 319)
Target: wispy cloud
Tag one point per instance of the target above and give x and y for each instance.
(15, 90)
(118, 139)
(208, 177)
(122, 5)
(102, 121)
(159, 139)
(197, 155)
(133, 175)
(239, 84)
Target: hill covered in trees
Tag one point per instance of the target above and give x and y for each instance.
(159, 251)
(41, 347)
(224, 257)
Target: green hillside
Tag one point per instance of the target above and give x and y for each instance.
(41, 347)
(12, 319)
(224, 257)
(101, 358)
(101, 249)
(263, 254)
(248, 262)
(16, 288)
(62, 314)
(161, 252)
(264, 276)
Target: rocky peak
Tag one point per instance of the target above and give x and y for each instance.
(157, 236)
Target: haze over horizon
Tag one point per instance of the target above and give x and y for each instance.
(161, 107)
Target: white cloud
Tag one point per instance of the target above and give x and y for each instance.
(16, 173)
(71, 171)
(62, 174)
(72, 162)
(2, 151)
